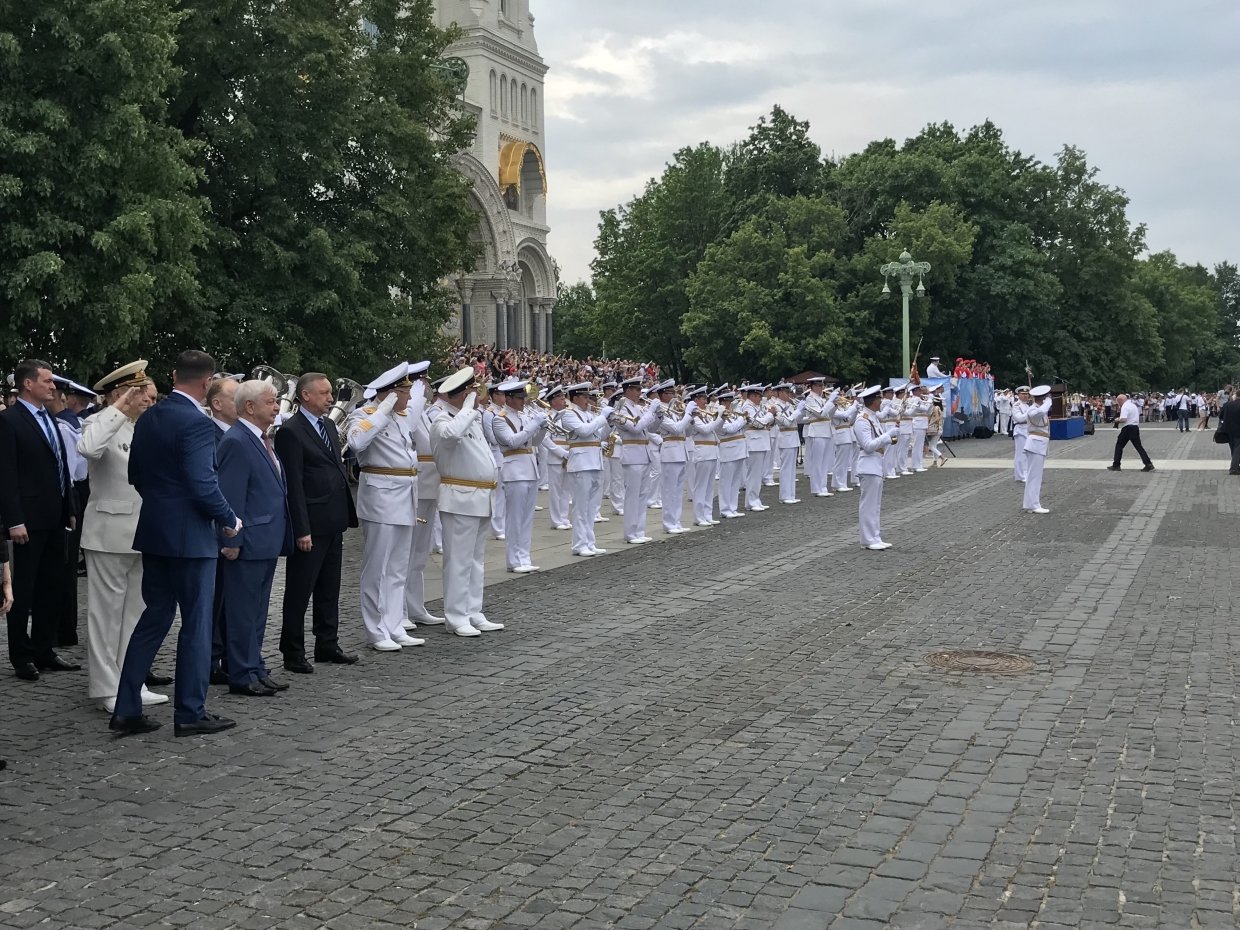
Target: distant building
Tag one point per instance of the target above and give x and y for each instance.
(508, 298)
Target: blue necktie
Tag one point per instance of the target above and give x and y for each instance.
(49, 430)
(326, 439)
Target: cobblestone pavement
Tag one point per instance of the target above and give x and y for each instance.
(730, 729)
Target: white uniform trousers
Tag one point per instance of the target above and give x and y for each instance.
(557, 494)
(464, 561)
(919, 443)
(616, 486)
(498, 508)
(1033, 480)
(584, 488)
(673, 494)
(843, 461)
(419, 555)
(634, 501)
(904, 452)
(788, 474)
(652, 487)
(691, 473)
(768, 476)
(521, 497)
(755, 467)
(704, 492)
(730, 474)
(818, 452)
(1018, 461)
(889, 461)
(869, 509)
(385, 573)
(1005, 423)
(437, 534)
(113, 606)
(543, 469)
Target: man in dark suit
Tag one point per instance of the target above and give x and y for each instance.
(252, 480)
(39, 506)
(172, 466)
(321, 508)
(1229, 423)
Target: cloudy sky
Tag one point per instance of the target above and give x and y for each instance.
(1150, 89)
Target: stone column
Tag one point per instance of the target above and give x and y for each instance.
(548, 312)
(514, 330)
(536, 325)
(501, 321)
(467, 324)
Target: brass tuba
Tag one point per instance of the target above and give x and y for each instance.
(348, 397)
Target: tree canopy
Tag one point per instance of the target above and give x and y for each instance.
(762, 259)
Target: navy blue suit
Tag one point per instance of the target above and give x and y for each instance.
(172, 466)
(254, 486)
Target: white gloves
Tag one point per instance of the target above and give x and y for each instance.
(389, 402)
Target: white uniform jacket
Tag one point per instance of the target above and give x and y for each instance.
(387, 488)
(786, 420)
(758, 429)
(428, 474)
(636, 448)
(1020, 418)
(873, 439)
(733, 441)
(1038, 422)
(818, 411)
(705, 428)
(674, 434)
(921, 413)
(519, 435)
(843, 421)
(585, 453)
(467, 472)
(112, 512)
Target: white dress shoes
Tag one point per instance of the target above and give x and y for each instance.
(405, 640)
(600, 519)
(597, 551)
(584, 553)
(704, 523)
(1038, 510)
(876, 547)
(795, 500)
(485, 626)
(562, 526)
(386, 645)
(408, 624)
(676, 531)
(466, 630)
(525, 569)
(429, 620)
(150, 698)
(638, 540)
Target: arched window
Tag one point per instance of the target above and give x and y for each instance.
(503, 7)
(534, 110)
(525, 105)
(494, 92)
(503, 96)
(512, 89)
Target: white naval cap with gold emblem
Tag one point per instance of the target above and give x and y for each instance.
(457, 382)
(127, 376)
(1040, 391)
(394, 377)
(871, 391)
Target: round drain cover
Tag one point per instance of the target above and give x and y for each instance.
(970, 660)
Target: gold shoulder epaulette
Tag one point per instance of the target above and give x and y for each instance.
(370, 409)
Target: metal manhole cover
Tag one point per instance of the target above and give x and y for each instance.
(971, 660)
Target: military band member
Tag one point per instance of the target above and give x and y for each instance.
(632, 422)
(494, 407)
(673, 458)
(872, 438)
(704, 428)
(1020, 430)
(758, 420)
(428, 507)
(733, 457)
(889, 415)
(819, 439)
(1037, 444)
(387, 502)
(585, 463)
(921, 423)
(467, 482)
(904, 448)
(788, 416)
(771, 403)
(520, 435)
(652, 487)
(845, 443)
(113, 569)
(613, 471)
(556, 444)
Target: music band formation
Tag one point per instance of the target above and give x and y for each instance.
(194, 499)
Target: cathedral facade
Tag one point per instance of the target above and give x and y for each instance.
(508, 298)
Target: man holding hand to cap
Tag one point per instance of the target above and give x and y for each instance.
(873, 439)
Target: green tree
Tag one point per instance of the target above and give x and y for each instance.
(334, 213)
(777, 160)
(577, 330)
(98, 215)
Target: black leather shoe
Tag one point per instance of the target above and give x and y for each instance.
(251, 690)
(158, 681)
(274, 685)
(335, 656)
(206, 726)
(1112, 468)
(219, 676)
(127, 726)
(26, 671)
(298, 664)
(57, 664)
(1149, 467)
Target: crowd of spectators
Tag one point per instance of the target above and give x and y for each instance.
(494, 364)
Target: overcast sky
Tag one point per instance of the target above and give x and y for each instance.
(1150, 89)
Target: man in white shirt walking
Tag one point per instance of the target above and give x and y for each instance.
(1129, 432)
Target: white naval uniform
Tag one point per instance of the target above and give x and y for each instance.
(788, 444)
(1020, 433)
(467, 482)
(556, 447)
(652, 487)
(113, 570)
(904, 448)
(871, 438)
(520, 435)
(921, 423)
(819, 441)
(705, 431)
(673, 459)
(889, 415)
(635, 460)
(428, 514)
(499, 505)
(733, 459)
(845, 445)
(1037, 445)
(758, 447)
(387, 508)
(585, 469)
(613, 475)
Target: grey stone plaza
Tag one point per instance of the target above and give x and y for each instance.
(734, 728)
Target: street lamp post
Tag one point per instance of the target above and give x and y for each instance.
(904, 270)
